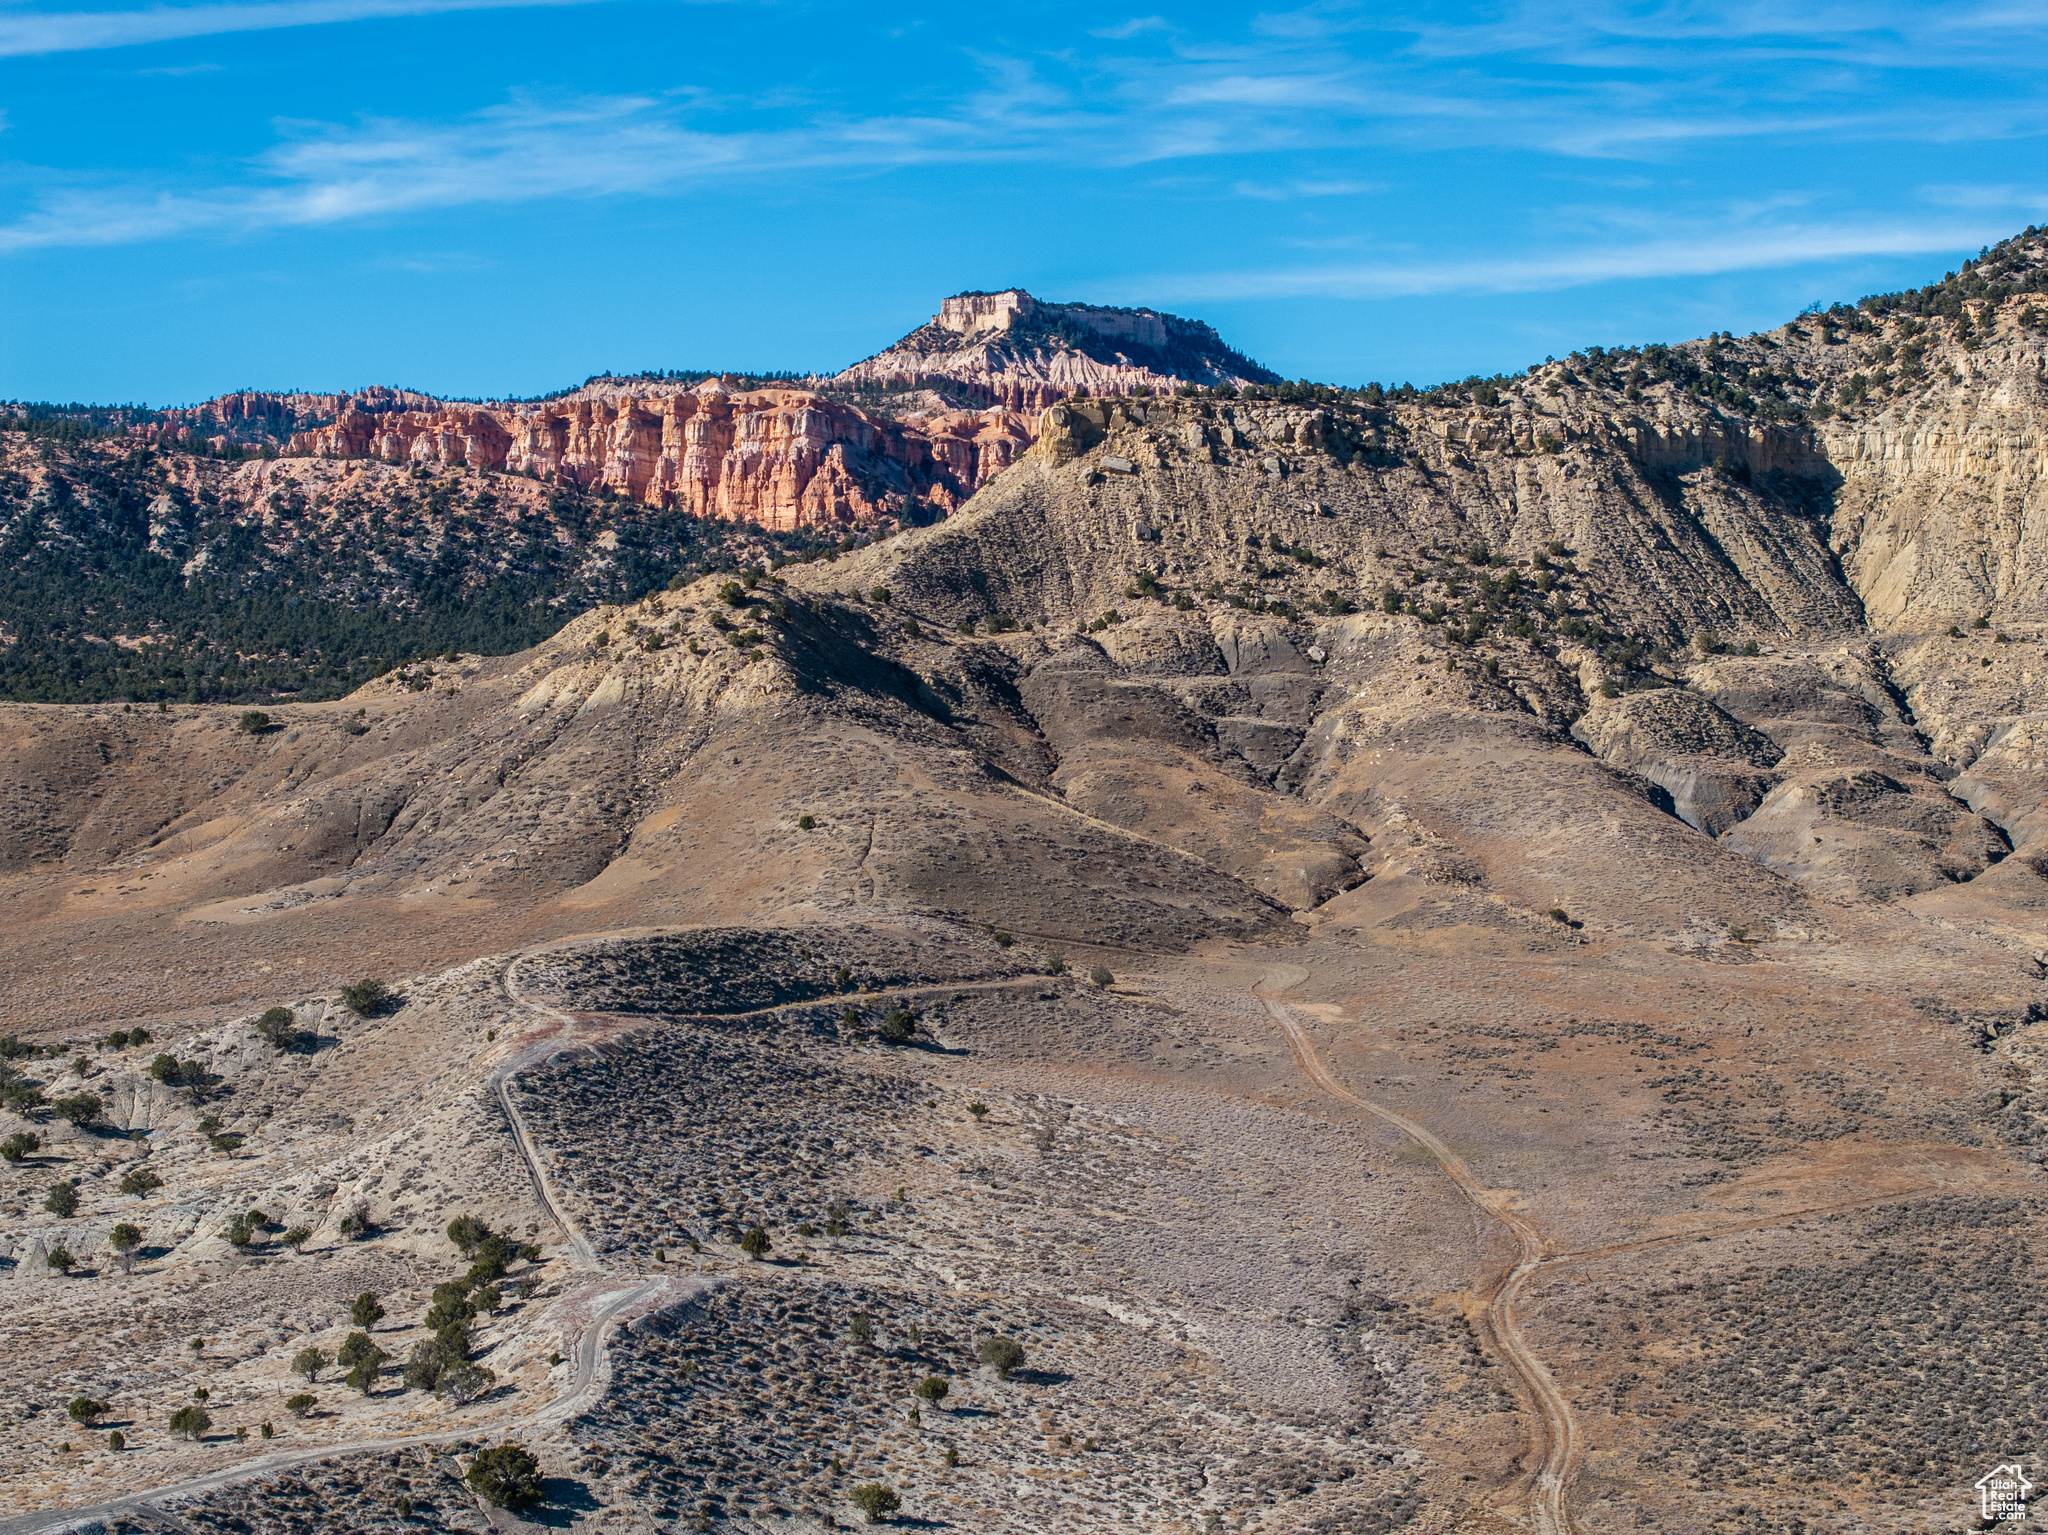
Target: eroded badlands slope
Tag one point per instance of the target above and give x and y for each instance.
(1567, 878)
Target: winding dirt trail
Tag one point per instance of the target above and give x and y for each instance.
(591, 1374)
(1558, 1442)
(606, 1297)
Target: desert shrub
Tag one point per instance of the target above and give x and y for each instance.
(140, 1180)
(1559, 914)
(279, 1028)
(424, 1365)
(806, 822)
(506, 1476)
(253, 722)
(898, 1025)
(298, 1406)
(190, 1422)
(60, 1259)
(225, 1142)
(173, 1072)
(356, 1224)
(493, 1255)
(310, 1361)
(61, 1200)
(20, 1144)
(755, 1244)
(978, 1110)
(874, 1499)
(298, 1237)
(933, 1389)
(463, 1382)
(117, 1441)
(366, 1310)
(1003, 1354)
(365, 997)
(1101, 977)
(23, 1099)
(79, 1108)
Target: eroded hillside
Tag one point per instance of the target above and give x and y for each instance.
(1454, 963)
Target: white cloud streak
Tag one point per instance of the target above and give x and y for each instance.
(1706, 252)
(1323, 80)
(30, 33)
(521, 153)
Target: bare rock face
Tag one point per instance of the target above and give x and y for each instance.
(1013, 350)
(965, 391)
(778, 457)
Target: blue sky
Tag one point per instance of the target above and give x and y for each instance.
(480, 198)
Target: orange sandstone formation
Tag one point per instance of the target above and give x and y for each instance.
(778, 457)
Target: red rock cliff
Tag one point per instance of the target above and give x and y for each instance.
(779, 457)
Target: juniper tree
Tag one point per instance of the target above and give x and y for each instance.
(124, 1239)
(507, 1476)
(874, 1499)
(310, 1361)
(1004, 1354)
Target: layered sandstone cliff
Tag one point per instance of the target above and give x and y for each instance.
(777, 457)
(981, 372)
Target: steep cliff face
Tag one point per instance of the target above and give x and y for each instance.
(1012, 350)
(778, 457)
(963, 394)
(1942, 515)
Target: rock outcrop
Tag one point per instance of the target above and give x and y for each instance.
(777, 457)
(1010, 349)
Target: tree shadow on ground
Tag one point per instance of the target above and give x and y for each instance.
(563, 1499)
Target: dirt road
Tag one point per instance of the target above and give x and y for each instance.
(588, 1379)
(1558, 1444)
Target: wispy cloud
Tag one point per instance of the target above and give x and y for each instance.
(29, 32)
(1137, 26)
(1288, 191)
(1698, 253)
(525, 151)
(1333, 89)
